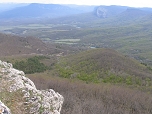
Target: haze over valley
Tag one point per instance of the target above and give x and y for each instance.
(99, 57)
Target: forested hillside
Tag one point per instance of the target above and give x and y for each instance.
(98, 57)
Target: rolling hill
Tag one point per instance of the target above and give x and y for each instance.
(122, 84)
(129, 32)
(15, 45)
(125, 29)
(98, 64)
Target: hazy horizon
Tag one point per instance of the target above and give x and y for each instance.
(131, 3)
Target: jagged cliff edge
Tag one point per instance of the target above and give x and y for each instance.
(33, 101)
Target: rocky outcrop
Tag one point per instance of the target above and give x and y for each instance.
(4, 109)
(101, 12)
(23, 95)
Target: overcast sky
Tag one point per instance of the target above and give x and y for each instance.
(132, 3)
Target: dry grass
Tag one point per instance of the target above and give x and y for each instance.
(81, 98)
(13, 100)
(15, 45)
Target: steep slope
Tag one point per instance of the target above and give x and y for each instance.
(21, 95)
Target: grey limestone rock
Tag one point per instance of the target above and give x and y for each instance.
(37, 101)
(4, 109)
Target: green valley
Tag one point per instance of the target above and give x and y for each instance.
(98, 57)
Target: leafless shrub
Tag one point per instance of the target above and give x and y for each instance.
(83, 98)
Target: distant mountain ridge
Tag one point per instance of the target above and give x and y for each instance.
(10, 6)
(36, 10)
(108, 16)
(109, 11)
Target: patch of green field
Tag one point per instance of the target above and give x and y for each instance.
(67, 41)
